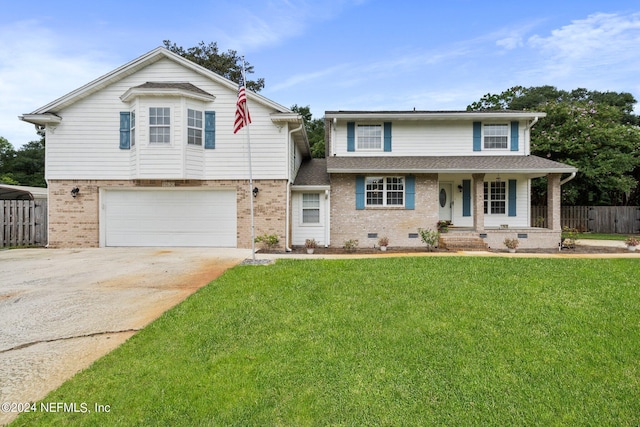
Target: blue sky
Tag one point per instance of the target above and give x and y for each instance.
(328, 54)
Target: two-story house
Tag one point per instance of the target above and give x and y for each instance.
(390, 173)
(146, 156)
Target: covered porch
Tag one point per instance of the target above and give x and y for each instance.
(495, 206)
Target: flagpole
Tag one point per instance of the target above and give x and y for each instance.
(251, 197)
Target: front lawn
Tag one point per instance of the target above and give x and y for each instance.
(394, 341)
(602, 236)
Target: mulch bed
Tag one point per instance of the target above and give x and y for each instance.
(400, 250)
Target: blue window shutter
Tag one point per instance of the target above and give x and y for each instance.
(351, 136)
(359, 192)
(210, 129)
(387, 136)
(125, 130)
(477, 136)
(410, 191)
(466, 197)
(512, 197)
(514, 136)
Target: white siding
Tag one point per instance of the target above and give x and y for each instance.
(300, 231)
(429, 138)
(85, 145)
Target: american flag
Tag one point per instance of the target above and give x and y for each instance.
(242, 111)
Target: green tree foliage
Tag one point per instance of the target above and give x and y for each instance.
(315, 131)
(7, 155)
(596, 132)
(24, 166)
(227, 64)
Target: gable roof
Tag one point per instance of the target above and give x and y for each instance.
(136, 65)
(447, 164)
(168, 88)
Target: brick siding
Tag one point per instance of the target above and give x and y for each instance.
(396, 223)
(74, 222)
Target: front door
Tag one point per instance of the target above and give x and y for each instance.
(445, 201)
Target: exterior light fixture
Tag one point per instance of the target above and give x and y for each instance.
(255, 191)
(74, 192)
(460, 188)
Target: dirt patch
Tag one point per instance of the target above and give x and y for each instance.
(186, 285)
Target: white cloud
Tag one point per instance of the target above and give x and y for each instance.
(600, 40)
(35, 68)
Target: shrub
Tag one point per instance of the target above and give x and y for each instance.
(310, 243)
(350, 245)
(569, 236)
(511, 243)
(383, 241)
(429, 237)
(268, 241)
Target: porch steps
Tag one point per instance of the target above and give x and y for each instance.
(462, 242)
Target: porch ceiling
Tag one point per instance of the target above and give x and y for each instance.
(447, 164)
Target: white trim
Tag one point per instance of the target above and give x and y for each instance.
(136, 92)
(432, 115)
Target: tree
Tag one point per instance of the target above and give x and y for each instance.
(227, 64)
(596, 132)
(24, 166)
(315, 131)
(7, 156)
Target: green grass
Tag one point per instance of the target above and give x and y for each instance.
(393, 341)
(602, 236)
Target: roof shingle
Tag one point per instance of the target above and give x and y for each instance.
(447, 164)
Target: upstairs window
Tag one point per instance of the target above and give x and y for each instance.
(495, 198)
(496, 136)
(133, 128)
(159, 125)
(369, 137)
(384, 191)
(194, 127)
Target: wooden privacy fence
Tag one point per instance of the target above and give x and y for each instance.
(23, 223)
(597, 219)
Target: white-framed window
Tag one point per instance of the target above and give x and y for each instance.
(194, 127)
(310, 208)
(496, 136)
(495, 198)
(159, 125)
(369, 137)
(132, 128)
(384, 191)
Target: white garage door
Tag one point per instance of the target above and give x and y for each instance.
(169, 218)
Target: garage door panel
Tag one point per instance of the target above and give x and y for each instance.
(170, 218)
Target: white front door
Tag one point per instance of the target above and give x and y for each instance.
(445, 201)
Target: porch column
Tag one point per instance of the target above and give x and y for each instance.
(478, 202)
(553, 202)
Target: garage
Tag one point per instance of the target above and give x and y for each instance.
(168, 217)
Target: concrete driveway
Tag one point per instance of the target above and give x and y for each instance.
(61, 309)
